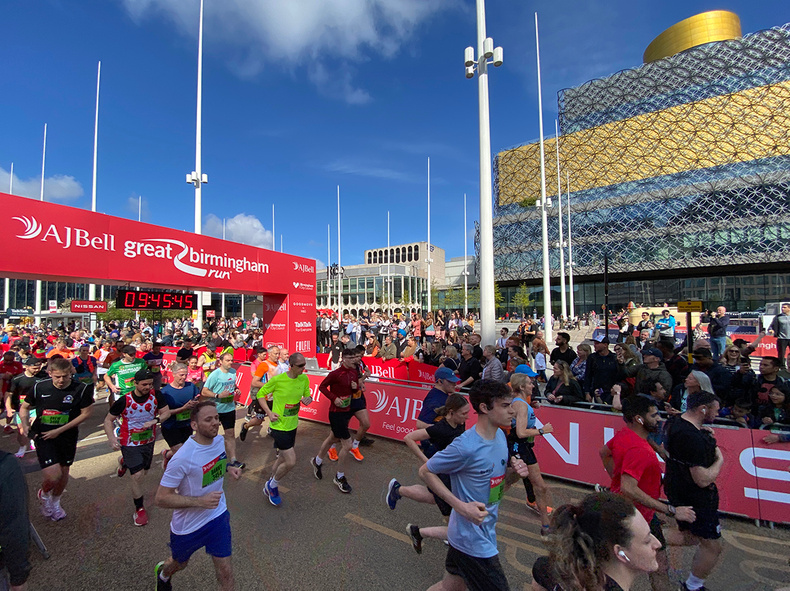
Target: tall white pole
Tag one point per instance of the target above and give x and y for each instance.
(329, 268)
(389, 277)
(466, 267)
(223, 293)
(198, 160)
(486, 253)
(544, 221)
(572, 309)
(339, 276)
(563, 308)
(429, 235)
(38, 281)
(139, 208)
(273, 234)
(92, 286)
(7, 293)
(281, 242)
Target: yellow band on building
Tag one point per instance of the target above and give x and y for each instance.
(716, 25)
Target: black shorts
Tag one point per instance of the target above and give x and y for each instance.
(60, 450)
(706, 526)
(254, 409)
(523, 449)
(655, 529)
(138, 457)
(440, 502)
(358, 403)
(176, 435)
(284, 439)
(339, 421)
(227, 420)
(479, 574)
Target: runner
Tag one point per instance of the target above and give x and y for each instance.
(155, 359)
(9, 368)
(181, 397)
(208, 359)
(85, 366)
(61, 404)
(21, 387)
(521, 441)
(102, 354)
(358, 410)
(477, 463)
(221, 386)
(263, 368)
(636, 474)
(452, 418)
(694, 464)
(123, 371)
(141, 409)
(192, 485)
(339, 387)
(288, 391)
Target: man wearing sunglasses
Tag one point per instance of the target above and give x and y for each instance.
(288, 390)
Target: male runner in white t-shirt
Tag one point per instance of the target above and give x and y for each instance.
(192, 485)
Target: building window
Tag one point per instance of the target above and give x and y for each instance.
(410, 255)
(417, 252)
(403, 254)
(370, 258)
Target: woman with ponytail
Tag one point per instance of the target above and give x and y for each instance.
(602, 544)
(450, 424)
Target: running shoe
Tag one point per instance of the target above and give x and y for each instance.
(342, 484)
(45, 503)
(600, 488)
(32, 445)
(416, 538)
(160, 584)
(367, 441)
(243, 433)
(332, 454)
(141, 517)
(237, 464)
(20, 453)
(357, 454)
(534, 507)
(273, 493)
(121, 467)
(57, 511)
(316, 469)
(684, 587)
(393, 494)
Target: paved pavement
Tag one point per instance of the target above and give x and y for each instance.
(319, 539)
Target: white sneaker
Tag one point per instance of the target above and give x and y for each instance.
(57, 511)
(45, 503)
(21, 452)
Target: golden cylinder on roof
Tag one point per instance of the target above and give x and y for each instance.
(715, 25)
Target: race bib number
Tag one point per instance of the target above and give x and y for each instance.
(345, 401)
(357, 394)
(215, 470)
(291, 410)
(184, 416)
(497, 490)
(54, 417)
(226, 399)
(141, 435)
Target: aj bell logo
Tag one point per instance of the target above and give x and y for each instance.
(381, 401)
(303, 268)
(275, 308)
(65, 236)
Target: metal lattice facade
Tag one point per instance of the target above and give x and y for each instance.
(679, 164)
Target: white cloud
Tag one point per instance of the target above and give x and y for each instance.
(371, 170)
(319, 264)
(319, 32)
(58, 187)
(243, 228)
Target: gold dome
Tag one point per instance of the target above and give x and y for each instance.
(715, 25)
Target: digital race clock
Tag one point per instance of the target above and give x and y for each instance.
(155, 300)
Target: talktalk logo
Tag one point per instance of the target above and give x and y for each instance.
(303, 325)
(299, 285)
(210, 265)
(303, 268)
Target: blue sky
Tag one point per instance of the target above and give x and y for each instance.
(299, 97)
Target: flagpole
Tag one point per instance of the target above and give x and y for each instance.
(570, 245)
(223, 293)
(466, 267)
(7, 295)
(92, 286)
(38, 281)
(273, 234)
(563, 308)
(547, 328)
(329, 267)
(429, 234)
(389, 278)
(339, 275)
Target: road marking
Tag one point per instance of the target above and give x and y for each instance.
(750, 567)
(534, 518)
(521, 545)
(733, 541)
(518, 530)
(377, 527)
(510, 556)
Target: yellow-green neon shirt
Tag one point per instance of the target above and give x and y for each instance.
(287, 393)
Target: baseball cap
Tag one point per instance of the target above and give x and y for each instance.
(526, 370)
(143, 374)
(601, 339)
(652, 351)
(445, 373)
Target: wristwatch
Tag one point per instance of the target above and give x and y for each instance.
(671, 510)
(541, 431)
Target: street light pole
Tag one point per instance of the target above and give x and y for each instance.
(429, 235)
(563, 309)
(544, 222)
(466, 268)
(485, 50)
(92, 286)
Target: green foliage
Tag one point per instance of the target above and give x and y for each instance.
(522, 299)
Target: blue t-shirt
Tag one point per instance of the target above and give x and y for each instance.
(476, 467)
(223, 384)
(176, 398)
(530, 420)
(433, 400)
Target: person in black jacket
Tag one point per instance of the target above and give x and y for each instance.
(14, 522)
(601, 372)
(562, 388)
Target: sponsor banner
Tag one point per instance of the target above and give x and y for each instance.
(119, 249)
(421, 372)
(89, 306)
(411, 371)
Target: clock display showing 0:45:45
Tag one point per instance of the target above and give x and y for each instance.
(155, 300)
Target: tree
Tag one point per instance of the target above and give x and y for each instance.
(434, 295)
(522, 298)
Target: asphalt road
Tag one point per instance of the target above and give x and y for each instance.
(319, 539)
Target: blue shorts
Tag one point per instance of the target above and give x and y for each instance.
(215, 536)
